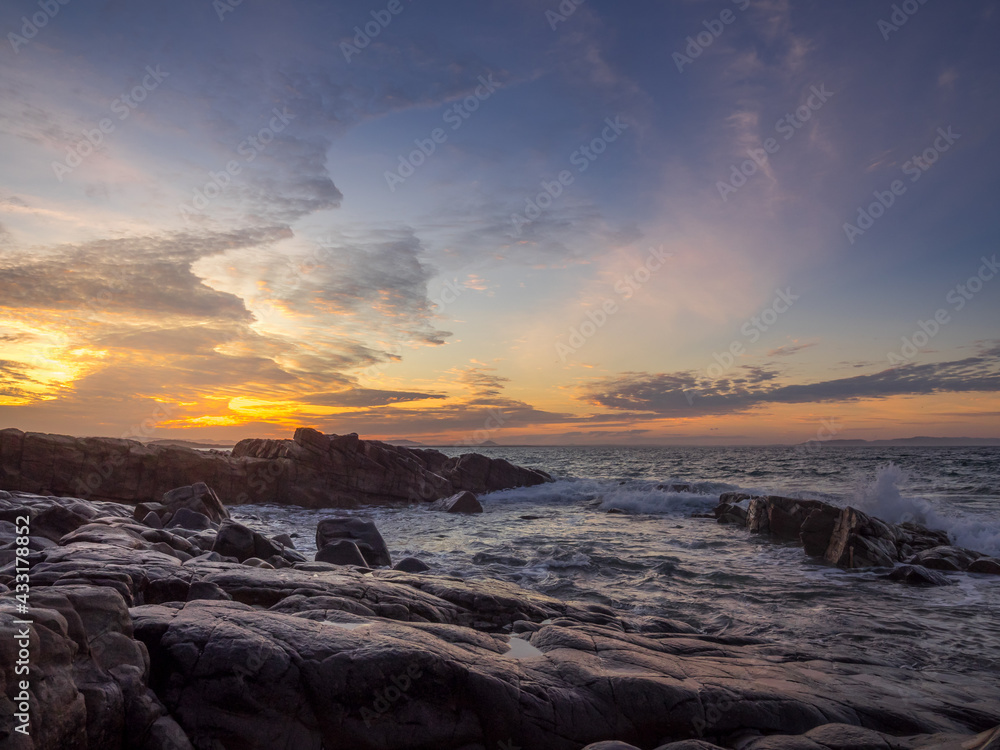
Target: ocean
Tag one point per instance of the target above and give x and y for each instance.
(655, 558)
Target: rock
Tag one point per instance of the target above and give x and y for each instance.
(849, 538)
(461, 502)
(88, 685)
(236, 540)
(219, 654)
(361, 532)
(285, 540)
(817, 529)
(312, 670)
(730, 513)
(917, 574)
(411, 565)
(312, 470)
(989, 565)
(186, 518)
(343, 552)
(197, 497)
(207, 590)
(152, 520)
(612, 745)
(256, 562)
(945, 558)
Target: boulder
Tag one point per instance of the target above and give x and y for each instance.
(239, 541)
(411, 565)
(989, 565)
(361, 532)
(917, 574)
(197, 497)
(817, 529)
(207, 590)
(945, 557)
(343, 552)
(185, 518)
(461, 502)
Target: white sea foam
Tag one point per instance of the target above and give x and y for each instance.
(636, 496)
(883, 499)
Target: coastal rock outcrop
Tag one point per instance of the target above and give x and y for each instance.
(849, 538)
(141, 649)
(313, 470)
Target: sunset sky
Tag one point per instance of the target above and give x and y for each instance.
(612, 222)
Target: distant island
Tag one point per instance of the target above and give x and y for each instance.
(913, 442)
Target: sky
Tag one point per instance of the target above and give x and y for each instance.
(528, 221)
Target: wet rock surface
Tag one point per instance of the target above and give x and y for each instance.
(849, 538)
(140, 648)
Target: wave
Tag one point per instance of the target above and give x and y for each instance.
(883, 499)
(633, 496)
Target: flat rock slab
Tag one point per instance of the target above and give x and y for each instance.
(370, 682)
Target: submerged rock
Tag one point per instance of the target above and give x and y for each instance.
(411, 565)
(461, 502)
(917, 574)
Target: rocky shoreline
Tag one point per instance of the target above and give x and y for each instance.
(169, 626)
(312, 470)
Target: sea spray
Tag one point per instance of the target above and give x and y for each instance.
(883, 499)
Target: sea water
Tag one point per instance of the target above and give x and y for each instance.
(656, 559)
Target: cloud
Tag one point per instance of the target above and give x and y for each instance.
(689, 394)
(789, 349)
(145, 275)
